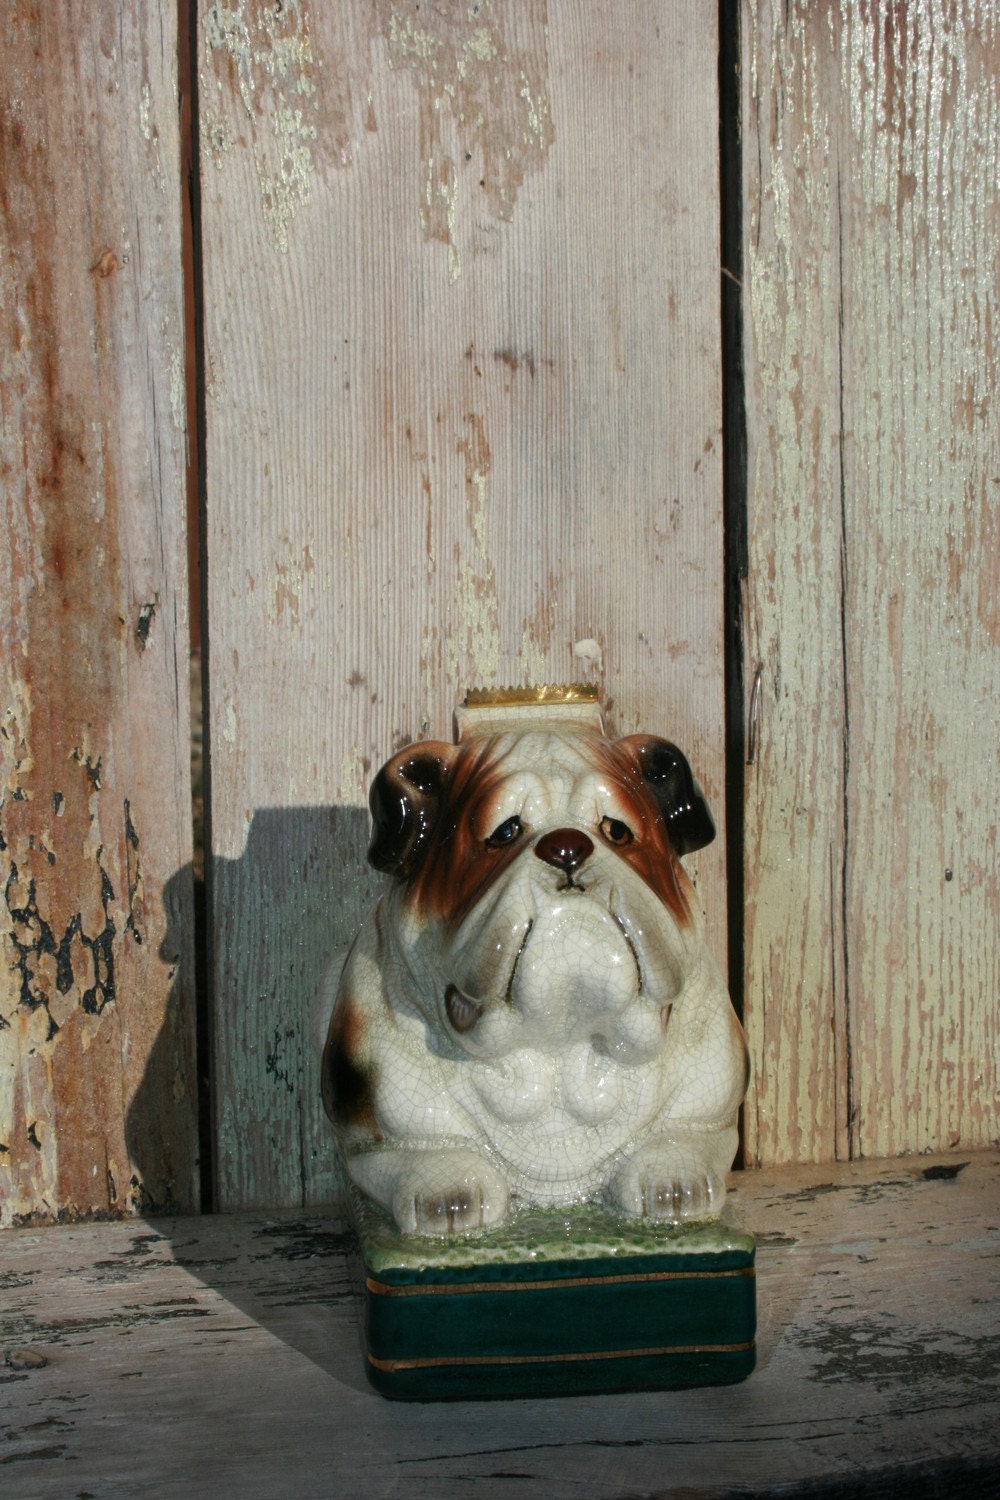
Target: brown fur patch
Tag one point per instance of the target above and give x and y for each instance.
(650, 853)
(348, 1086)
(457, 868)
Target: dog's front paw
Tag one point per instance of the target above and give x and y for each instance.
(450, 1191)
(446, 1190)
(665, 1179)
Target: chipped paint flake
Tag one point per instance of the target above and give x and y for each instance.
(482, 45)
(538, 114)
(352, 780)
(477, 638)
(589, 652)
(230, 730)
(410, 41)
(145, 120)
(178, 388)
(476, 603)
(531, 660)
(286, 188)
(485, 121)
(269, 50)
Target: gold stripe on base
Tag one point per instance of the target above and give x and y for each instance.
(383, 1289)
(391, 1366)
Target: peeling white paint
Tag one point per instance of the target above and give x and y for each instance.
(482, 45)
(150, 135)
(288, 188)
(430, 661)
(477, 636)
(16, 759)
(178, 388)
(479, 482)
(538, 114)
(272, 55)
(215, 375)
(216, 131)
(410, 41)
(589, 652)
(531, 663)
(352, 789)
(481, 97)
(145, 121)
(454, 258)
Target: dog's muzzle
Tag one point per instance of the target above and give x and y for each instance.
(561, 956)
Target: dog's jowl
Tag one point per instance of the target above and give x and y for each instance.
(530, 1014)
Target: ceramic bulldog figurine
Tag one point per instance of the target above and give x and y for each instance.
(530, 1015)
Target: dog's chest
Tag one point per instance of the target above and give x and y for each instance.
(557, 1120)
(530, 1088)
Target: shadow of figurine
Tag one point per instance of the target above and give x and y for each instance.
(274, 920)
(278, 915)
(161, 1126)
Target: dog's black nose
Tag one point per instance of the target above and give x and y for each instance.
(566, 848)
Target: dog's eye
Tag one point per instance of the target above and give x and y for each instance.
(505, 833)
(615, 831)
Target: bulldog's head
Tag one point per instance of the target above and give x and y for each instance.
(541, 902)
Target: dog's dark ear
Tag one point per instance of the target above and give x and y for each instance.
(680, 799)
(405, 801)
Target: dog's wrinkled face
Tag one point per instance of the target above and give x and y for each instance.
(542, 903)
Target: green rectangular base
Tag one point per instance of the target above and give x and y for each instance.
(555, 1302)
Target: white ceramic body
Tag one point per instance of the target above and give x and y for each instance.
(535, 1020)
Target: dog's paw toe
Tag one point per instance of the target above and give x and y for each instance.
(454, 1192)
(669, 1185)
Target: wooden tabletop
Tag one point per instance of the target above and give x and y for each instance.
(220, 1357)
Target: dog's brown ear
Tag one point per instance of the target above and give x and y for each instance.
(680, 799)
(405, 800)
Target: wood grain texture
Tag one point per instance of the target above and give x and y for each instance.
(794, 988)
(873, 204)
(96, 1020)
(462, 329)
(220, 1356)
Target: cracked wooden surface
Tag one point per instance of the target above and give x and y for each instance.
(221, 1356)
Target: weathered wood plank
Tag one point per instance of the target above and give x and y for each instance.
(794, 986)
(922, 606)
(462, 328)
(872, 164)
(96, 1023)
(220, 1356)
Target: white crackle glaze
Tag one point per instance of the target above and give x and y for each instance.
(565, 1035)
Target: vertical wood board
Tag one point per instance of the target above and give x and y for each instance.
(872, 168)
(462, 327)
(922, 522)
(97, 1110)
(794, 985)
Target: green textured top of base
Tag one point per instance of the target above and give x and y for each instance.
(547, 1238)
